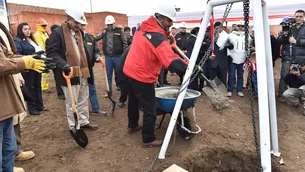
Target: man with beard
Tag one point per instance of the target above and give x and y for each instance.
(150, 51)
(66, 47)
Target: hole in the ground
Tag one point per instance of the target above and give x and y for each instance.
(224, 160)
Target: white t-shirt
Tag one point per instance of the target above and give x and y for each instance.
(37, 47)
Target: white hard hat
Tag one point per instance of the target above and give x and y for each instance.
(240, 23)
(109, 19)
(182, 25)
(77, 15)
(167, 10)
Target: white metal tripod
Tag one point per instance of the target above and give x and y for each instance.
(266, 98)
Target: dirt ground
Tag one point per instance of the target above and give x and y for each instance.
(225, 144)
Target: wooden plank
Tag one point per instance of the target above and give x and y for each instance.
(174, 168)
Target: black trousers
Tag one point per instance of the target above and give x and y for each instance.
(33, 83)
(165, 75)
(220, 73)
(124, 91)
(161, 77)
(59, 90)
(142, 95)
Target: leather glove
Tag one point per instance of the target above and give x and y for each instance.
(48, 61)
(66, 69)
(33, 64)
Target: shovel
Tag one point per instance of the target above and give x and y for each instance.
(214, 85)
(113, 103)
(77, 133)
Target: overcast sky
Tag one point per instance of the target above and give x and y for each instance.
(129, 6)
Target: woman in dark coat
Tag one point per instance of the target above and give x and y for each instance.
(26, 45)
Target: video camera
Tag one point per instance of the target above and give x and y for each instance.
(287, 24)
(296, 67)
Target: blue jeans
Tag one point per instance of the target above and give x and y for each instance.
(254, 82)
(111, 64)
(93, 98)
(8, 146)
(240, 79)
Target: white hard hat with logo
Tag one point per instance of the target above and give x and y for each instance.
(167, 9)
(182, 25)
(109, 19)
(77, 15)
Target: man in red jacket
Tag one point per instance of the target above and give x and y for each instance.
(150, 51)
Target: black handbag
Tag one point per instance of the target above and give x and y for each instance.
(26, 93)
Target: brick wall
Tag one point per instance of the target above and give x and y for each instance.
(24, 13)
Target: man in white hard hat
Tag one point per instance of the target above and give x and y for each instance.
(66, 47)
(181, 39)
(114, 44)
(150, 51)
(93, 56)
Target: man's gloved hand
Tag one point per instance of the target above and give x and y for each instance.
(48, 61)
(66, 69)
(33, 64)
(230, 46)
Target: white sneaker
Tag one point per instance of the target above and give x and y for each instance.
(240, 94)
(229, 94)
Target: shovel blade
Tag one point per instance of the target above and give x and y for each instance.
(80, 137)
(214, 86)
(221, 88)
(208, 91)
(113, 103)
(112, 107)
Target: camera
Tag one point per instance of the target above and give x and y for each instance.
(296, 67)
(287, 24)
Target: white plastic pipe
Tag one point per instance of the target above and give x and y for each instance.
(264, 125)
(192, 62)
(270, 80)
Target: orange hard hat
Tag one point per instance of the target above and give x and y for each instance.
(41, 21)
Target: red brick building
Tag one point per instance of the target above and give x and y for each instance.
(25, 13)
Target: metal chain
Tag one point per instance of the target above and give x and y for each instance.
(152, 164)
(246, 5)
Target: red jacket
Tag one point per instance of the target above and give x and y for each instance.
(150, 50)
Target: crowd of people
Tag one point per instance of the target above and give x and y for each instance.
(138, 61)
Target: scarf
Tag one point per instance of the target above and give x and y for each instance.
(77, 60)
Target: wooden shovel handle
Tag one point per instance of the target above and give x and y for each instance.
(174, 45)
(106, 78)
(71, 95)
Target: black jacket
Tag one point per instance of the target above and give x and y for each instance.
(221, 58)
(275, 48)
(298, 49)
(294, 81)
(56, 49)
(92, 53)
(23, 46)
(114, 41)
(284, 41)
(122, 78)
(181, 41)
(190, 46)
